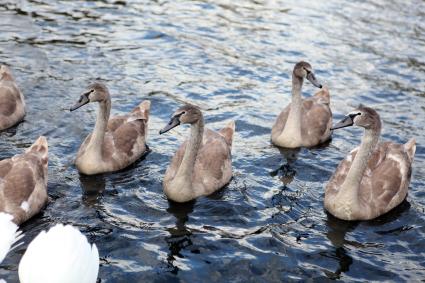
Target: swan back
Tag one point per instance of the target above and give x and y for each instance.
(228, 131)
(317, 119)
(24, 182)
(9, 234)
(410, 148)
(62, 254)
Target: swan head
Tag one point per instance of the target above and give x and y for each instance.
(95, 92)
(187, 114)
(303, 70)
(362, 116)
(5, 73)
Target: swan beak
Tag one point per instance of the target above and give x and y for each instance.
(346, 122)
(174, 122)
(83, 100)
(312, 78)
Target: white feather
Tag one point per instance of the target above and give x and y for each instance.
(8, 235)
(63, 255)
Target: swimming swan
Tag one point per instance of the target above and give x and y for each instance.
(23, 182)
(373, 178)
(304, 122)
(116, 142)
(63, 255)
(203, 164)
(12, 103)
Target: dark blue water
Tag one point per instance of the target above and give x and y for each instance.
(233, 59)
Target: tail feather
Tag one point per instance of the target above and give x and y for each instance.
(228, 131)
(324, 95)
(41, 147)
(142, 110)
(410, 148)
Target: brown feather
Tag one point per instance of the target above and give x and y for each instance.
(125, 137)
(212, 168)
(228, 131)
(316, 119)
(12, 105)
(384, 184)
(23, 179)
(124, 142)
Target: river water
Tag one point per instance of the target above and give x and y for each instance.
(234, 60)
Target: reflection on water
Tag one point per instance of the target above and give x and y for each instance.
(180, 236)
(234, 60)
(340, 254)
(337, 230)
(289, 154)
(92, 187)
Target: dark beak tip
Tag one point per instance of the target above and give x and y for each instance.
(320, 86)
(174, 122)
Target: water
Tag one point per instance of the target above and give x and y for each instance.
(234, 60)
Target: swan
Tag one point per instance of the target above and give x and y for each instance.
(374, 177)
(9, 234)
(62, 254)
(203, 164)
(116, 142)
(12, 103)
(304, 122)
(23, 182)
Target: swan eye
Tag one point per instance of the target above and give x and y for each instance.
(353, 115)
(86, 94)
(180, 114)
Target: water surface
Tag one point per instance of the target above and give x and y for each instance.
(234, 60)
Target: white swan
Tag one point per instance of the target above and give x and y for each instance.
(9, 234)
(63, 255)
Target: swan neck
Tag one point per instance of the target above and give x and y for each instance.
(355, 174)
(297, 84)
(102, 119)
(192, 147)
(294, 116)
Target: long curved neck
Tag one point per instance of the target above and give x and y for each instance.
(294, 116)
(102, 119)
(192, 147)
(354, 177)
